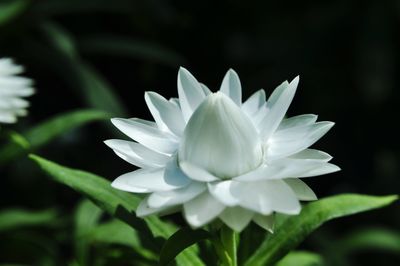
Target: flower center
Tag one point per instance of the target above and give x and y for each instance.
(221, 139)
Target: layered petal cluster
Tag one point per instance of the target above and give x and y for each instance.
(212, 156)
(12, 90)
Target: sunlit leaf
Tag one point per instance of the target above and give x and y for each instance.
(301, 258)
(296, 228)
(118, 204)
(48, 130)
(17, 218)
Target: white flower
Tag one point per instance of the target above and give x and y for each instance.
(213, 156)
(12, 89)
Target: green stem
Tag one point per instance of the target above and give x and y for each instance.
(225, 244)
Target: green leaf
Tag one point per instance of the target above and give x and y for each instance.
(296, 228)
(117, 232)
(48, 130)
(128, 47)
(179, 241)
(17, 218)
(301, 258)
(12, 9)
(117, 203)
(87, 216)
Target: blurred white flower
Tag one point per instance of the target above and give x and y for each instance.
(213, 156)
(12, 89)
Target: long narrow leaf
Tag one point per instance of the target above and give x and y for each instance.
(117, 203)
(296, 228)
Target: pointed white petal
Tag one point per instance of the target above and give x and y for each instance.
(206, 90)
(190, 93)
(254, 103)
(264, 197)
(144, 209)
(9, 102)
(293, 140)
(277, 104)
(15, 82)
(196, 173)
(323, 169)
(167, 115)
(265, 221)
(177, 196)
(223, 191)
(221, 139)
(202, 210)
(302, 191)
(231, 87)
(175, 101)
(299, 120)
(16, 91)
(146, 133)
(143, 181)
(288, 168)
(312, 154)
(7, 117)
(8, 67)
(236, 218)
(173, 175)
(137, 154)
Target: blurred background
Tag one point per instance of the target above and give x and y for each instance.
(105, 54)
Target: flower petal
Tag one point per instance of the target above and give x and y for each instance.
(236, 218)
(277, 104)
(167, 115)
(323, 169)
(202, 209)
(264, 197)
(137, 154)
(221, 139)
(190, 93)
(293, 140)
(7, 116)
(287, 168)
(223, 191)
(299, 120)
(146, 133)
(254, 103)
(174, 176)
(143, 181)
(144, 210)
(177, 196)
(311, 154)
(302, 191)
(206, 90)
(196, 173)
(231, 87)
(8, 102)
(265, 221)
(8, 67)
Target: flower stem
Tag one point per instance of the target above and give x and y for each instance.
(225, 244)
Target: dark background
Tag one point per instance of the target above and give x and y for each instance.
(346, 53)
